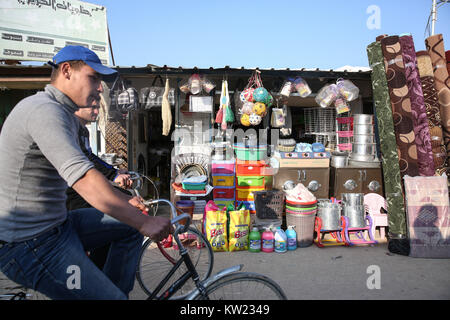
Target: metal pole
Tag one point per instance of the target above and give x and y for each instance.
(433, 17)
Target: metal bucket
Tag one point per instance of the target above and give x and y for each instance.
(353, 199)
(356, 216)
(330, 213)
(362, 129)
(362, 119)
(339, 161)
(363, 138)
(364, 148)
(362, 157)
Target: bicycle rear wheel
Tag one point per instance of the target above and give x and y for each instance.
(156, 261)
(243, 286)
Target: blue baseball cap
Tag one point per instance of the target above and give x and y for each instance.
(71, 53)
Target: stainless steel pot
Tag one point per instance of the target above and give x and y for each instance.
(339, 161)
(363, 138)
(364, 148)
(362, 157)
(353, 199)
(362, 129)
(356, 216)
(330, 213)
(362, 119)
(364, 164)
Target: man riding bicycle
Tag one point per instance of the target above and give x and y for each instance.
(42, 245)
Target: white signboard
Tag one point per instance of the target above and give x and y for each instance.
(200, 104)
(37, 29)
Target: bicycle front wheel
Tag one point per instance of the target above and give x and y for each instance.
(155, 261)
(243, 286)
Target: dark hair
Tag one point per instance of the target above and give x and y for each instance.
(75, 64)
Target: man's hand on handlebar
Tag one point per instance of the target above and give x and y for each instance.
(123, 180)
(138, 202)
(157, 228)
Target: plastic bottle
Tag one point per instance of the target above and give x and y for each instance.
(255, 240)
(291, 238)
(267, 241)
(280, 241)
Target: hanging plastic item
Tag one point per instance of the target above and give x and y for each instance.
(245, 120)
(342, 92)
(347, 89)
(219, 116)
(327, 95)
(247, 95)
(278, 118)
(196, 84)
(302, 87)
(207, 84)
(295, 84)
(341, 105)
(223, 105)
(256, 101)
(260, 109)
(286, 88)
(225, 114)
(220, 112)
(260, 95)
(247, 107)
(255, 119)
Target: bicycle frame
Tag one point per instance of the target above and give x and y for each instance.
(185, 258)
(190, 273)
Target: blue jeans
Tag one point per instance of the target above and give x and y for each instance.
(55, 263)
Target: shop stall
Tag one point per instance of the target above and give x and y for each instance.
(286, 146)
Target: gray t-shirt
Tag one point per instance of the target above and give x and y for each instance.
(39, 157)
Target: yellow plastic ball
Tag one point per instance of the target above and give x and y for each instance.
(259, 108)
(245, 120)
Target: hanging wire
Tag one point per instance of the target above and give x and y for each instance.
(439, 4)
(110, 46)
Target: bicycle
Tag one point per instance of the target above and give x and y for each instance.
(229, 284)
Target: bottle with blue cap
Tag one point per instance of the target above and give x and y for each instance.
(280, 240)
(291, 238)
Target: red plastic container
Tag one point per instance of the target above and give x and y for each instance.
(250, 168)
(223, 193)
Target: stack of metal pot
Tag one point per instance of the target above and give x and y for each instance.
(353, 209)
(330, 213)
(364, 144)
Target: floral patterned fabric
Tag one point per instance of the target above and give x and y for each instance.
(388, 143)
(418, 110)
(401, 105)
(432, 106)
(435, 48)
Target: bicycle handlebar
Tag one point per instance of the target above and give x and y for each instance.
(138, 178)
(175, 218)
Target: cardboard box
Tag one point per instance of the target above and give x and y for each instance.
(304, 163)
(305, 155)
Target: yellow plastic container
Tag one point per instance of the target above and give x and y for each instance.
(246, 194)
(223, 181)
